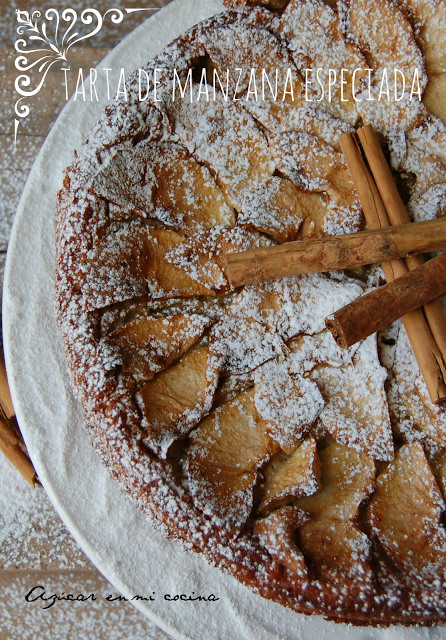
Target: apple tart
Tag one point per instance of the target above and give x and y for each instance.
(316, 476)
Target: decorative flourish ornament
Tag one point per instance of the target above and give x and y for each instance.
(54, 39)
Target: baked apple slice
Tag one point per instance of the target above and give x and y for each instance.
(314, 166)
(276, 534)
(299, 304)
(227, 139)
(241, 341)
(356, 411)
(129, 264)
(177, 398)
(315, 40)
(305, 117)
(382, 30)
(404, 514)
(288, 477)
(203, 256)
(148, 345)
(428, 20)
(331, 539)
(225, 454)
(289, 403)
(161, 180)
(274, 208)
(418, 416)
(262, 72)
(432, 41)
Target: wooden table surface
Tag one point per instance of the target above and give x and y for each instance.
(36, 548)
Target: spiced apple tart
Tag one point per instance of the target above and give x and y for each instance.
(314, 475)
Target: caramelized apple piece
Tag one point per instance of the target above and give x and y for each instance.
(428, 195)
(226, 451)
(288, 477)
(429, 205)
(432, 41)
(258, 49)
(262, 72)
(427, 169)
(313, 166)
(262, 303)
(288, 403)
(417, 416)
(240, 342)
(116, 268)
(252, 329)
(117, 315)
(226, 138)
(177, 398)
(393, 120)
(435, 413)
(313, 33)
(428, 20)
(148, 345)
(281, 210)
(240, 345)
(320, 348)
(163, 181)
(382, 30)
(331, 539)
(430, 135)
(129, 264)
(294, 305)
(203, 256)
(274, 208)
(304, 117)
(276, 533)
(356, 411)
(405, 513)
(416, 13)
(120, 213)
(232, 385)
(164, 280)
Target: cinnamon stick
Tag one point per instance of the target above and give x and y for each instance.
(426, 351)
(398, 215)
(334, 252)
(10, 447)
(5, 395)
(380, 307)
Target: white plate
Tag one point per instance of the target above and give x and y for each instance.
(111, 531)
